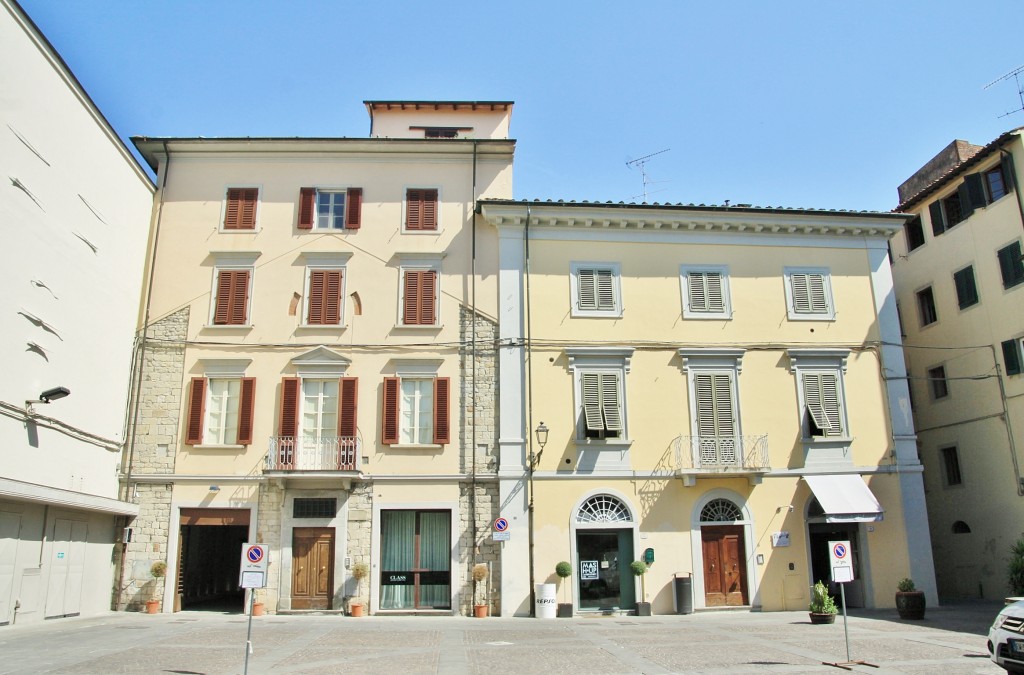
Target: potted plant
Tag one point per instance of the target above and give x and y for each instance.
(909, 601)
(564, 571)
(822, 608)
(157, 570)
(257, 602)
(639, 569)
(359, 572)
(480, 573)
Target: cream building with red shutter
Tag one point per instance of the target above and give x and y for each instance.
(318, 369)
(722, 385)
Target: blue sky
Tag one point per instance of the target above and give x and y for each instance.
(798, 104)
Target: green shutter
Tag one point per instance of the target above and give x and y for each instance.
(938, 221)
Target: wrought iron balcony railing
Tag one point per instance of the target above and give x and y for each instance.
(722, 453)
(312, 453)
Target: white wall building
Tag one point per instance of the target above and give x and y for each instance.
(74, 209)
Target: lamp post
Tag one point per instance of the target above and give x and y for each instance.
(541, 434)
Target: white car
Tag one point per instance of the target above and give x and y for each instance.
(1006, 638)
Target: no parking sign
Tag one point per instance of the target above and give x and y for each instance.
(842, 561)
(255, 561)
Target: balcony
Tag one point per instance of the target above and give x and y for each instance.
(718, 455)
(312, 453)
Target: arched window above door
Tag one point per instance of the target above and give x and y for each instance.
(720, 511)
(603, 509)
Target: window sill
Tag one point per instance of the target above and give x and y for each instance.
(827, 440)
(811, 317)
(228, 326)
(706, 316)
(312, 327)
(238, 230)
(418, 327)
(596, 314)
(604, 442)
(434, 232)
(416, 446)
(209, 446)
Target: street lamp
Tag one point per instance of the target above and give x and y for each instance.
(542, 439)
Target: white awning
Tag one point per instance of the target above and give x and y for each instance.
(845, 498)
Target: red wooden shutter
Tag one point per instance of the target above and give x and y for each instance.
(419, 298)
(245, 410)
(429, 210)
(289, 407)
(347, 406)
(389, 418)
(196, 412)
(353, 208)
(240, 213)
(413, 209)
(232, 297)
(324, 307)
(442, 418)
(307, 202)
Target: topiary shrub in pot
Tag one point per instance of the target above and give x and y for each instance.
(909, 601)
(564, 571)
(480, 602)
(822, 608)
(158, 570)
(359, 572)
(639, 568)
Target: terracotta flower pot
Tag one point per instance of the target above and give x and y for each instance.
(152, 606)
(355, 609)
(480, 611)
(257, 609)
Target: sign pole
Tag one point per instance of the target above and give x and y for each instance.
(248, 635)
(846, 628)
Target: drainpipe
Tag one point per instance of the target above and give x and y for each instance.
(126, 496)
(472, 352)
(529, 409)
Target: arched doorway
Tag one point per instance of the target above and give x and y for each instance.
(604, 528)
(723, 540)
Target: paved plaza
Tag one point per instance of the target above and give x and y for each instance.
(951, 640)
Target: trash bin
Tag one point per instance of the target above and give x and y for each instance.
(546, 604)
(683, 587)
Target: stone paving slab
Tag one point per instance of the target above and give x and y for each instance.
(950, 641)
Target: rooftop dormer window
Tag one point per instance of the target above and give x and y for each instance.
(441, 132)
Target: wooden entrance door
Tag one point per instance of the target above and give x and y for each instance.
(312, 567)
(725, 570)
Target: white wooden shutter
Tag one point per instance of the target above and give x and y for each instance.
(704, 388)
(809, 296)
(610, 402)
(605, 290)
(591, 385)
(587, 289)
(814, 400)
(830, 403)
(698, 292)
(715, 296)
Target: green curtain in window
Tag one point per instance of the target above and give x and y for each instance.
(398, 537)
(435, 555)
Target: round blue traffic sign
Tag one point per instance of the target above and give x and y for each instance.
(254, 554)
(839, 550)
(501, 524)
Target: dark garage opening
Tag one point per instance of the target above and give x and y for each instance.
(209, 554)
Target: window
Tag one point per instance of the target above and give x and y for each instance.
(1010, 265)
(705, 292)
(926, 307)
(938, 383)
(809, 294)
(1013, 356)
(995, 183)
(595, 290)
(712, 374)
(314, 507)
(324, 209)
(822, 403)
(240, 209)
(441, 132)
(952, 209)
(317, 425)
(421, 213)
(220, 411)
(416, 410)
(914, 233)
(951, 465)
(231, 298)
(324, 294)
(599, 375)
(966, 288)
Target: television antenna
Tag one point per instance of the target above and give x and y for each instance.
(1015, 74)
(641, 163)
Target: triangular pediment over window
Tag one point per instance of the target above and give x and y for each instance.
(321, 359)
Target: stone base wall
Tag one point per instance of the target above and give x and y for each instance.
(268, 531)
(484, 550)
(148, 545)
(360, 534)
